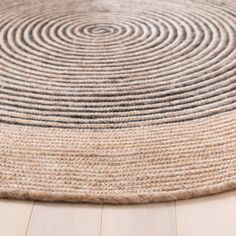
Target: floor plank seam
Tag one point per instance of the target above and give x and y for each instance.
(30, 217)
(101, 222)
(176, 222)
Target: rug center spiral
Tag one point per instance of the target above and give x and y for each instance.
(116, 69)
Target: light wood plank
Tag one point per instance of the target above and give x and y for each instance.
(139, 220)
(61, 219)
(14, 217)
(206, 216)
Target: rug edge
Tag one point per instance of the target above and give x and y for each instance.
(18, 194)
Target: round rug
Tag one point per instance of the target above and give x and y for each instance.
(117, 101)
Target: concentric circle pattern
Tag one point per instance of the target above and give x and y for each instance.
(117, 101)
(78, 68)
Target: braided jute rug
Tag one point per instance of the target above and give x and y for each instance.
(122, 101)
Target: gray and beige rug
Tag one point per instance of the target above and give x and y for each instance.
(121, 101)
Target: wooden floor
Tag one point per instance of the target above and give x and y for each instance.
(215, 215)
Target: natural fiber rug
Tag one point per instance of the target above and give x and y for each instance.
(117, 101)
